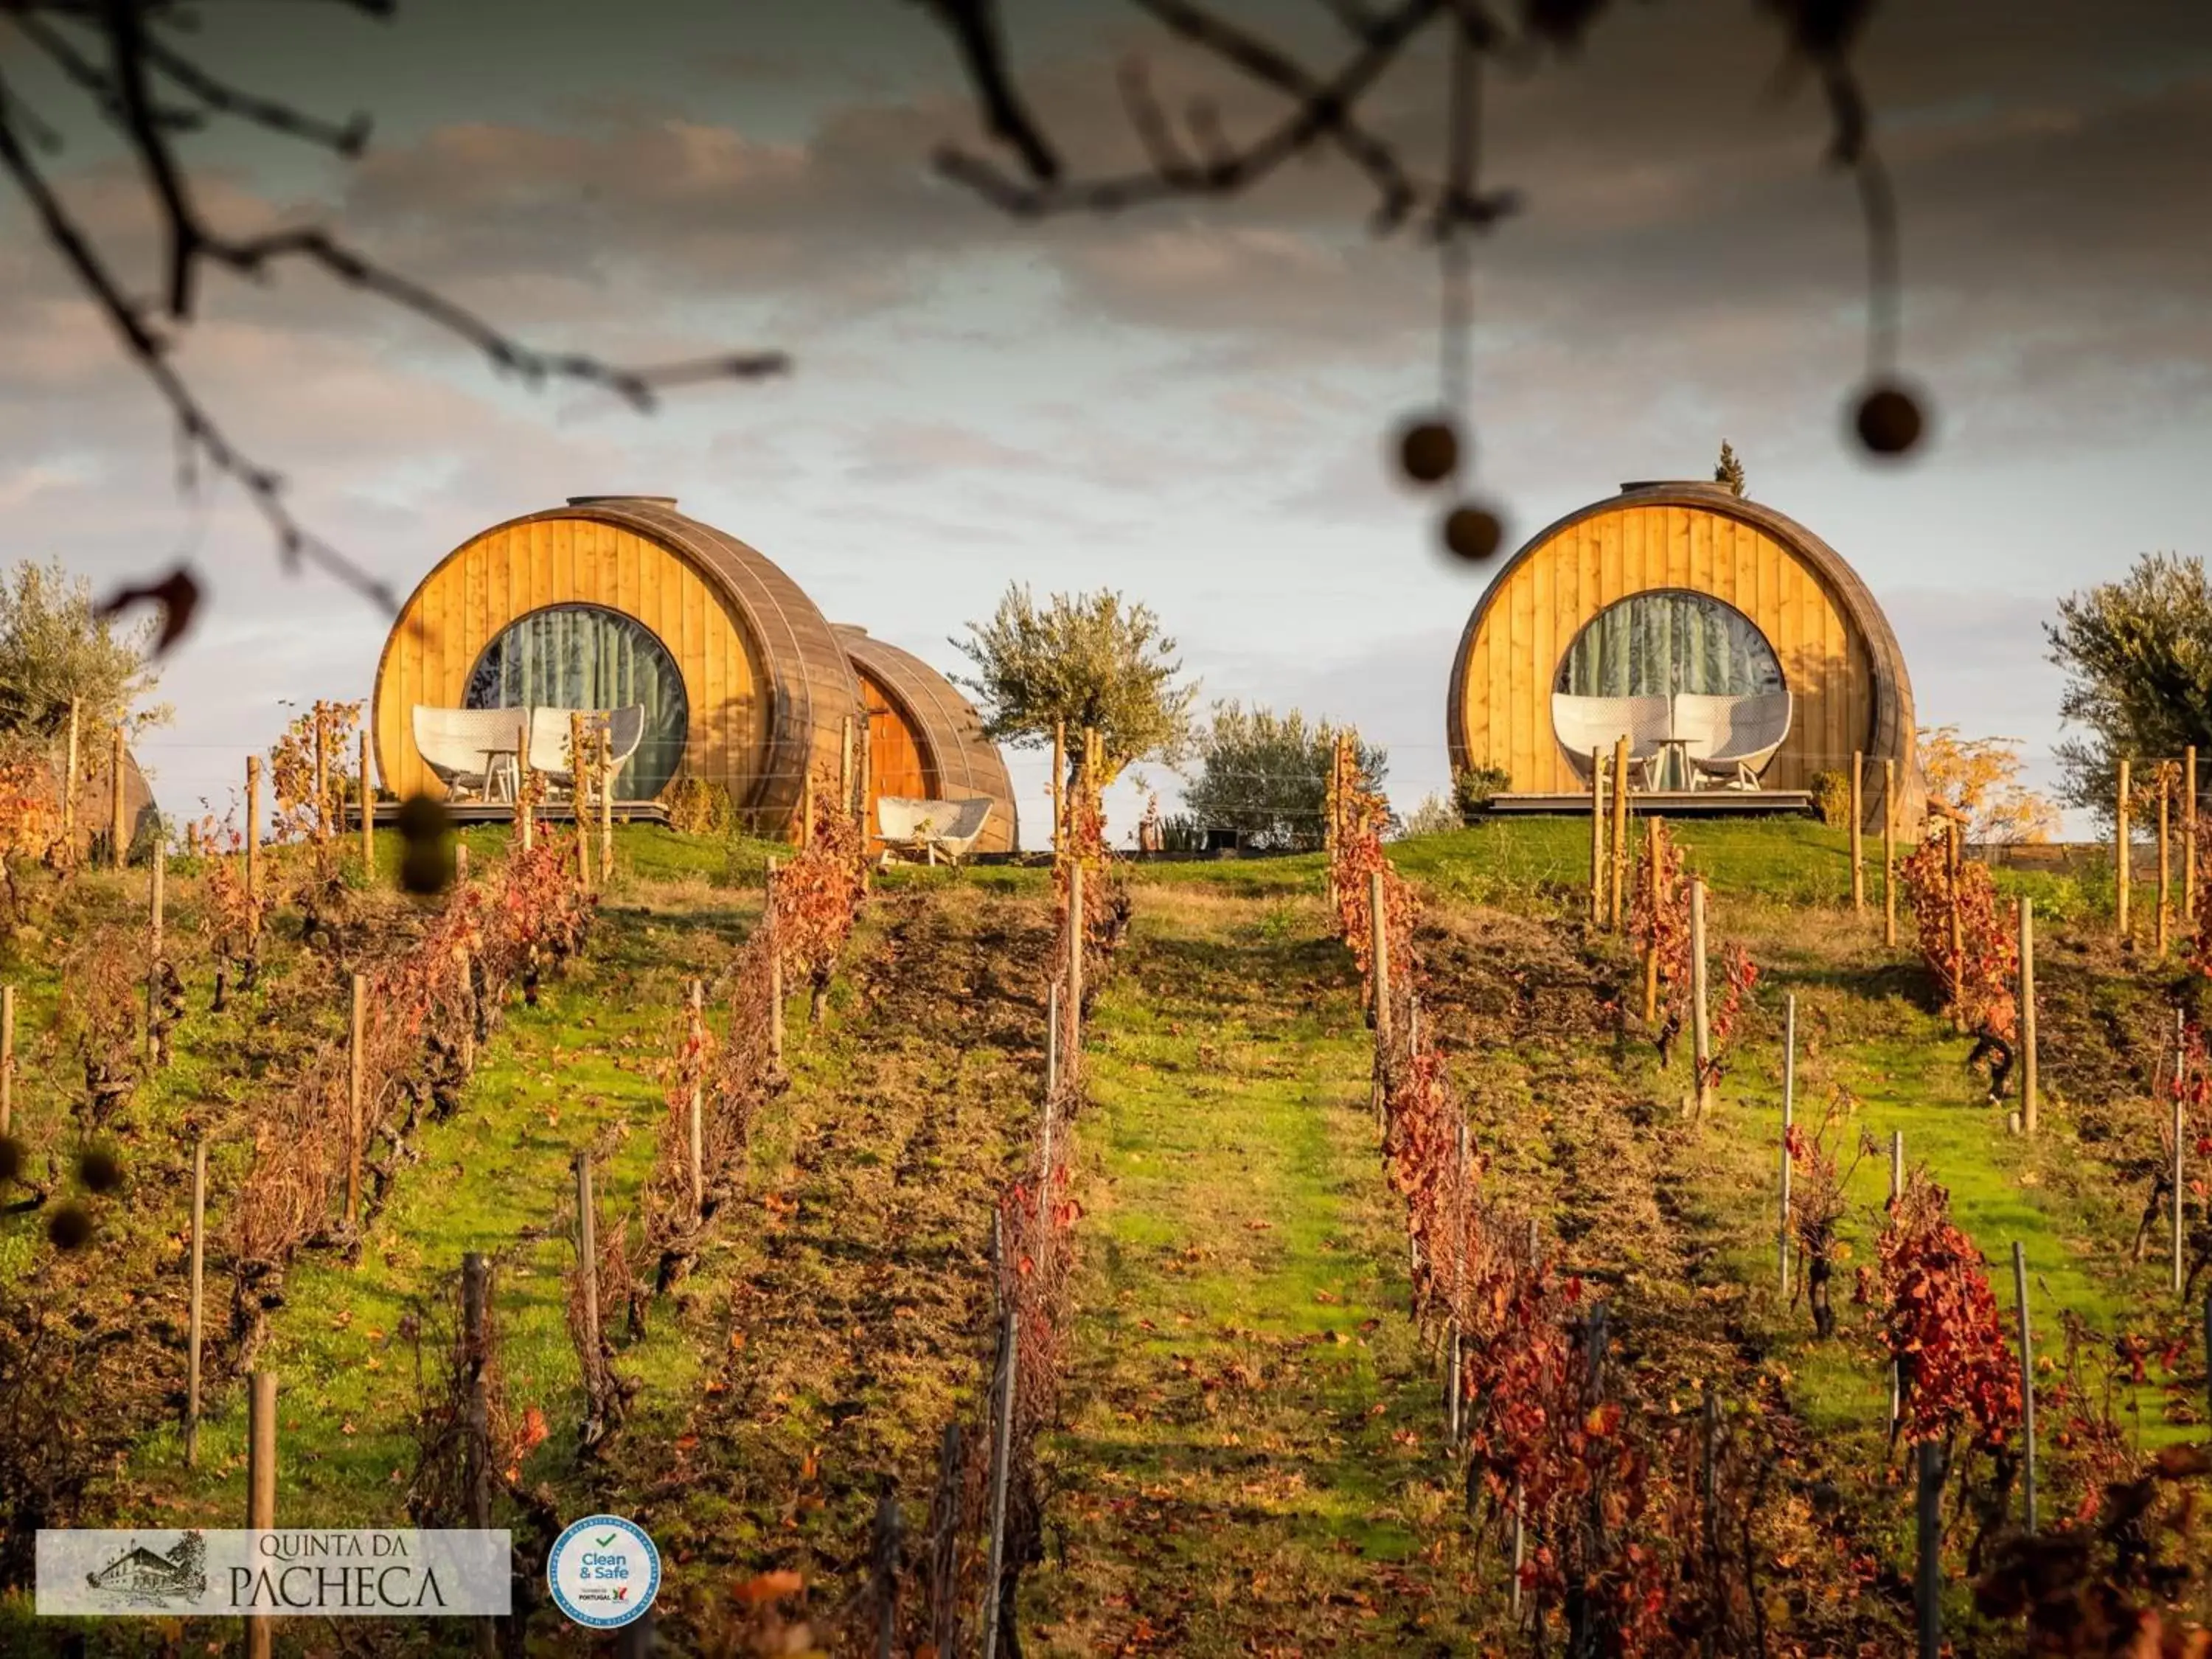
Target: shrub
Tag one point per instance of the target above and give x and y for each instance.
(1473, 786)
(1435, 816)
(1832, 798)
(697, 806)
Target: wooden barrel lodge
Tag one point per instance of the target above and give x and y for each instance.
(925, 740)
(1675, 596)
(616, 601)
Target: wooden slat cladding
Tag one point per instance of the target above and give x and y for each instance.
(768, 683)
(1837, 655)
(925, 739)
(895, 766)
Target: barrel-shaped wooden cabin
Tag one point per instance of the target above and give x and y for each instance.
(1675, 605)
(925, 740)
(621, 602)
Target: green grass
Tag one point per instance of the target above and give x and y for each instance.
(1254, 1454)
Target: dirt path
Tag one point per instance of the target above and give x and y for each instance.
(844, 1319)
(1252, 1458)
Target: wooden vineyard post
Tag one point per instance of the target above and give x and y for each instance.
(460, 862)
(1928, 1580)
(322, 775)
(2029, 1093)
(587, 1259)
(2189, 836)
(845, 766)
(1951, 889)
(2165, 862)
(2180, 1127)
(7, 1057)
(365, 799)
(1059, 785)
(1378, 995)
(1052, 1041)
(156, 880)
(525, 774)
(1789, 1119)
(260, 1486)
(1619, 908)
(1889, 853)
(1001, 1465)
(579, 797)
(605, 751)
(468, 996)
(1858, 837)
(698, 1001)
(806, 811)
(1599, 861)
(2026, 1384)
(253, 840)
(1378, 958)
(1330, 813)
(774, 972)
(1702, 1025)
(118, 835)
(1072, 1060)
(69, 787)
(193, 1326)
(476, 1347)
(356, 1064)
(1896, 1192)
(2123, 871)
(1651, 832)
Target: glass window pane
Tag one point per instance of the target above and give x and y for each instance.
(583, 656)
(1669, 640)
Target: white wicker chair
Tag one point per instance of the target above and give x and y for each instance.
(1583, 724)
(549, 730)
(1732, 738)
(469, 750)
(929, 827)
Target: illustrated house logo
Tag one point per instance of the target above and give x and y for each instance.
(140, 1576)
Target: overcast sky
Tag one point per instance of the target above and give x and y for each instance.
(1188, 402)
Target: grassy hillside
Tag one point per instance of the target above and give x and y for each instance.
(1250, 1456)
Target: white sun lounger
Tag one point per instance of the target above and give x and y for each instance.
(929, 827)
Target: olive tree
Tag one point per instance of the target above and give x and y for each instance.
(1085, 659)
(2137, 654)
(1266, 776)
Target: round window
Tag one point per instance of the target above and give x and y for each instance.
(1669, 640)
(585, 656)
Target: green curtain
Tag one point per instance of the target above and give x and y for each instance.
(580, 656)
(1658, 643)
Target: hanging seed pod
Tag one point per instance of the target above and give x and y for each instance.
(1428, 450)
(1473, 531)
(426, 835)
(1888, 419)
(99, 1170)
(70, 1227)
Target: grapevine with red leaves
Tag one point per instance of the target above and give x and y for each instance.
(1818, 1201)
(424, 1021)
(1931, 1301)
(1976, 978)
(819, 893)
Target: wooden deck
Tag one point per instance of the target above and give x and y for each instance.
(1666, 803)
(500, 811)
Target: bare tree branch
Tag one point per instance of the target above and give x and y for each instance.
(1322, 110)
(973, 26)
(123, 91)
